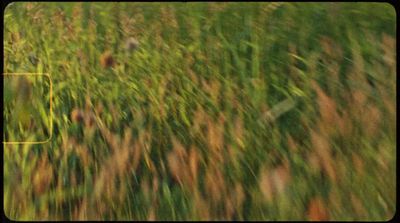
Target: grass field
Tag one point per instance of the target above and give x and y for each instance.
(201, 111)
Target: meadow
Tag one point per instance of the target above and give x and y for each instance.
(201, 111)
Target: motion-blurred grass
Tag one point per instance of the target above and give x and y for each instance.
(27, 107)
(226, 111)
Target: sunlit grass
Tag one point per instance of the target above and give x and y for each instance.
(218, 111)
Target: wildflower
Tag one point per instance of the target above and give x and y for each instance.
(316, 210)
(77, 116)
(106, 60)
(131, 44)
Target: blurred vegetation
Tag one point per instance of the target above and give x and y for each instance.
(27, 107)
(223, 111)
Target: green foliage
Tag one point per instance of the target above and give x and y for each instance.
(219, 102)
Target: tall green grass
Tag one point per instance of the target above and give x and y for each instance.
(227, 111)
